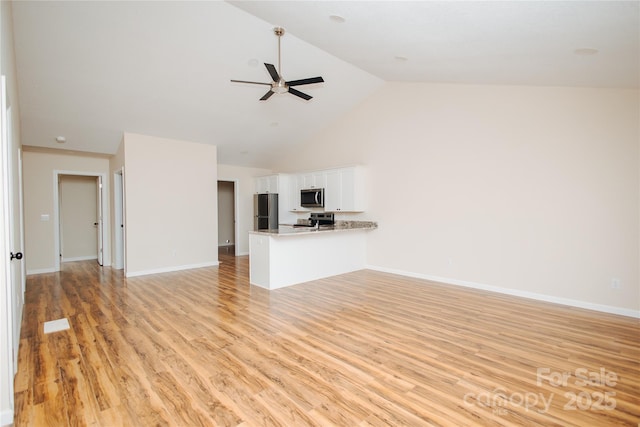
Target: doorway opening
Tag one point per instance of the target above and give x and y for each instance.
(79, 211)
(227, 222)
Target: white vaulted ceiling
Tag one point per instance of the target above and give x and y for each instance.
(91, 70)
(486, 42)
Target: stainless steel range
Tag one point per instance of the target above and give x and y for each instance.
(317, 219)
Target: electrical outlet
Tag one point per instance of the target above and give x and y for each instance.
(615, 283)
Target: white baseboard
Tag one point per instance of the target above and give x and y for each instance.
(80, 258)
(41, 271)
(242, 253)
(6, 417)
(524, 294)
(171, 269)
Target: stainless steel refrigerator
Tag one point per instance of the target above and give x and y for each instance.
(265, 211)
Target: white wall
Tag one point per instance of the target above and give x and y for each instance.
(78, 213)
(38, 171)
(529, 190)
(170, 204)
(244, 179)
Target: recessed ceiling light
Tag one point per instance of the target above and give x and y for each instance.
(337, 18)
(586, 51)
(61, 139)
(401, 58)
(253, 62)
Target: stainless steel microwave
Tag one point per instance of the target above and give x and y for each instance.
(312, 198)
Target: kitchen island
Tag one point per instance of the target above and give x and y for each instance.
(287, 256)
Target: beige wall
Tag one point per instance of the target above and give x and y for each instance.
(529, 190)
(78, 213)
(38, 176)
(170, 204)
(245, 187)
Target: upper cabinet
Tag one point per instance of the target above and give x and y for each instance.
(296, 183)
(267, 184)
(313, 179)
(344, 190)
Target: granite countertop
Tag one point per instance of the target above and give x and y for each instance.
(339, 226)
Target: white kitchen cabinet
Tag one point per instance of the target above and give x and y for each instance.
(285, 213)
(296, 183)
(281, 259)
(315, 179)
(267, 184)
(344, 190)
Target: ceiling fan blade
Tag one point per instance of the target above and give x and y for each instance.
(266, 96)
(272, 72)
(296, 92)
(306, 81)
(253, 83)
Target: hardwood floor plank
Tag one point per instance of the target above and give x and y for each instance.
(50, 409)
(23, 408)
(205, 348)
(98, 371)
(24, 376)
(81, 407)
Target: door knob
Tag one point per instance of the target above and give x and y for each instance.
(17, 255)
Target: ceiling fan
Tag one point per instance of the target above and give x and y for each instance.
(279, 85)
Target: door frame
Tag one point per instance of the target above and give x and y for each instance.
(56, 210)
(23, 265)
(236, 224)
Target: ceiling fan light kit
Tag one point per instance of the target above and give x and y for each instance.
(279, 84)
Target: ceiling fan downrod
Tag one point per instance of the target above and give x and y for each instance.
(279, 31)
(279, 86)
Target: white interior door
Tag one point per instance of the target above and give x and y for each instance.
(99, 224)
(11, 270)
(15, 237)
(118, 221)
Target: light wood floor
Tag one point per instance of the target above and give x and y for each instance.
(203, 347)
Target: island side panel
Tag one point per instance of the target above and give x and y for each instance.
(259, 260)
(307, 257)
